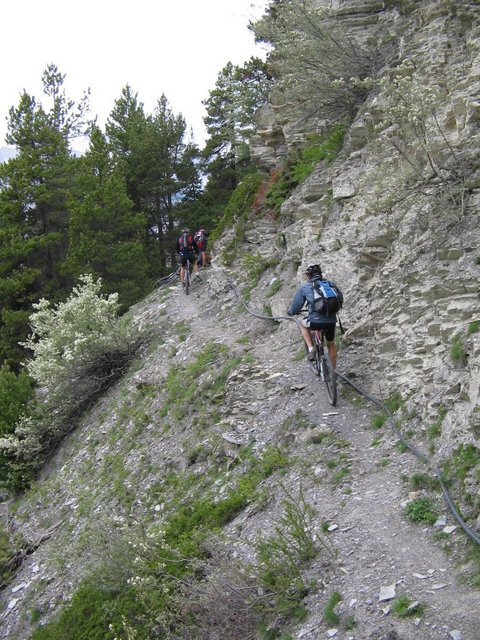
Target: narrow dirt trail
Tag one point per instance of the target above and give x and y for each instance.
(377, 546)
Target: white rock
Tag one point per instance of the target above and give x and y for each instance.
(387, 592)
(449, 529)
(342, 188)
(332, 632)
(456, 634)
(19, 587)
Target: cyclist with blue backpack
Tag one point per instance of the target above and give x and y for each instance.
(324, 299)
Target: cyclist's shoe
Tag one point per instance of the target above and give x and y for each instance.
(198, 277)
(311, 355)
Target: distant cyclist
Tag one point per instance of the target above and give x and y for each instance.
(187, 250)
(323, 320)
(201, 237)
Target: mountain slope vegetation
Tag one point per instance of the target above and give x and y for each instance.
(208, 489)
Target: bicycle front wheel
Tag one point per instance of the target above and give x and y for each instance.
(187, 278)
(330, 379)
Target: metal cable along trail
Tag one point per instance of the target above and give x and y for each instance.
(391, 421)
(166, 280)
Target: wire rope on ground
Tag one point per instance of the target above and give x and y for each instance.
(166, 280)
(391, 420)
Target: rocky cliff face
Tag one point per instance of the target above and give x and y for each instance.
(400, 237)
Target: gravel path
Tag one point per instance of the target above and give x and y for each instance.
(377, 546)
(278, 401)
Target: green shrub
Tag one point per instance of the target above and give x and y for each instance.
(473, 327)
(394, 402)
(92, 614)
(79, 350)
(423, 481)
(255, 265)
(16, 391)
(466, 457)
(274, 288)
(318, 149)
(457, 349)
(329, 613)
(463, 461)
(421, 510)
(434, 430)
(378, 420)
(403, 608)
(281, 556)
(7, 551)
(300, 164)
(237, 211)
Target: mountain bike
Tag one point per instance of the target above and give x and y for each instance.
(322, 365)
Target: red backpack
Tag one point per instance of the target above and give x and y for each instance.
(185, 243)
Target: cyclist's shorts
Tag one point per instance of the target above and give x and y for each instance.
(187, 256)
(327, 328)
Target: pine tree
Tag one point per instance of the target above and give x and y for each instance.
(160, 169)
(106, 235)
(231, 106)
(33, 213)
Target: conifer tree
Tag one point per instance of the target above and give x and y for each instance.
(231, 106)
(33, 213)
(106, 235)
(160, 169)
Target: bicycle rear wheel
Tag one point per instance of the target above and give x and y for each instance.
(330, 379)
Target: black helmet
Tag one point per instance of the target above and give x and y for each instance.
(313, 269)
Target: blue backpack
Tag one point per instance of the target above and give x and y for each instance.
(327, 298)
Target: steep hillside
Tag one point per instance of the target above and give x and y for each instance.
(202, 414)
(296, 520)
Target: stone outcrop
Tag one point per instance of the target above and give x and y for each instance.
(405, 251)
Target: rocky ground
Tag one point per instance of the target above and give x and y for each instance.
(355, 477)
(379, 552)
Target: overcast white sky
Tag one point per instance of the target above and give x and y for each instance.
(175, 47)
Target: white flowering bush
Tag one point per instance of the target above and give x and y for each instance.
(64, 335)
(79, 348)
(433, 171)
(410, 108)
